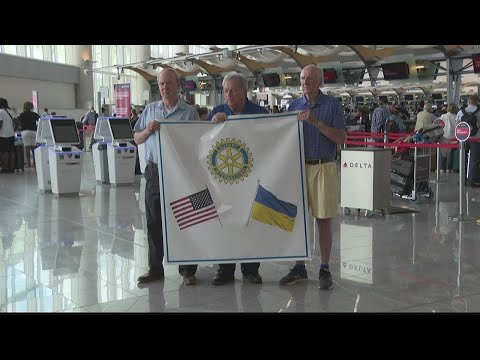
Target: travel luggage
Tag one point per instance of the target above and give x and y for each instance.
(400, 189)
(429, 134)
(401, 180)
(403, 166)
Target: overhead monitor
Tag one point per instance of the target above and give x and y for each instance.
(120, 129)
(383, 99)
(271, 79)
(292, 79)
(476, 63)
(408, 97)
(359, 99)
(329, 76)
(437, 96)
(353, 76)
(189, 85)
(64, 131)
(396, 71)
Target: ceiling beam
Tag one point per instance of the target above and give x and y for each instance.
(368, 55)
(255, 65)
(144, 74)
(212, 69)
(304, 60)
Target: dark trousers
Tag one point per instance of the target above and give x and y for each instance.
(447, 163)
(247, 268)
(473, 172)
(154, 224)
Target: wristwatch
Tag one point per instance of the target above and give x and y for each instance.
(320, 124)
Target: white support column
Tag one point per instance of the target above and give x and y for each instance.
(143, 54)
(82, 57)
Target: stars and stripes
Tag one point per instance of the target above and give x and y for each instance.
(194, 209)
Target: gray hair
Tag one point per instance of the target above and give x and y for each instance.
(168, 70)
(238, 76)
(427, 106)
(318, 71)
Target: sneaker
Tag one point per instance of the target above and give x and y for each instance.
(449, 171)
(294, 276)
(325, 280)
(442, 171)
(253, 278)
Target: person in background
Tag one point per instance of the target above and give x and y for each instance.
(170, 108)
(45, 112)
(133, 118)
(395, 116)
(28, 123)
(90, 119)
(446, 159)
(472, 148)
(235, 87)
(7, 137)
(425, 117)
(323, 129)
(203, 113)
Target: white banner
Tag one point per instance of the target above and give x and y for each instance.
(233, 191)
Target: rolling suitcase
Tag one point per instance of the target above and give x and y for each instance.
(403, 167)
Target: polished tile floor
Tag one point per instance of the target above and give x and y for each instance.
(84, 254)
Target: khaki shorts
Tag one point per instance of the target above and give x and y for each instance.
(322, 189)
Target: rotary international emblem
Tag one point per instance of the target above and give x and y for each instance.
(230, 161)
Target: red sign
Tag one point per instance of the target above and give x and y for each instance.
(122, 100)
(35, 100)
(462, 131)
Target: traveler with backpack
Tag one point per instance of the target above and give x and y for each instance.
(394, 124)
(471, 115)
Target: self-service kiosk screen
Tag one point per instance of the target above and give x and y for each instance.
(121, 129)
(64, 131)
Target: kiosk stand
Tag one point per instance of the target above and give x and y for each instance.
(65, 160)
(44, 137)
(103, 136)
(365, 179)
(121, 153)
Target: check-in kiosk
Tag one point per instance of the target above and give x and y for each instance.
(64, 158)
(121, 153)
(44, 138)
(103, 136)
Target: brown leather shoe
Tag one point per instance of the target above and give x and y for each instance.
(189, 280)
(150, 277)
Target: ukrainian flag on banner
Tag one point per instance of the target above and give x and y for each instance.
(270, 210)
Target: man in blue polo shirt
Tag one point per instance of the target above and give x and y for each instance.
(170, 108)
(235, 87)
(323, 129)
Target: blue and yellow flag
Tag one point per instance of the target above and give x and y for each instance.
(270, 210)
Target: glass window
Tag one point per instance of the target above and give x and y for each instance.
(37, 52)
(10, 49)
(60, 54)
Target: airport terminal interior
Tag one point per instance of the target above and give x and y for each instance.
(84, 254)
(73, 243)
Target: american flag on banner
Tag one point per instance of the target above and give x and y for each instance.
(194, 209)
